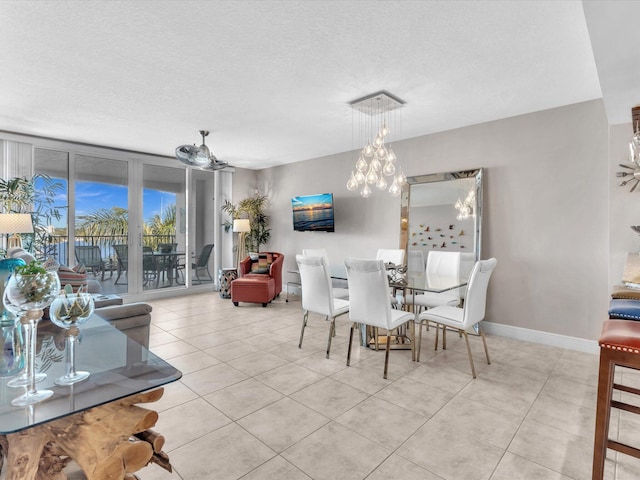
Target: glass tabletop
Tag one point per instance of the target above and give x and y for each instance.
(119, 367)
(412, 281)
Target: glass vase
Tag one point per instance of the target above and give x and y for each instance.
(68, 311)
(30, 294)
(12, 359)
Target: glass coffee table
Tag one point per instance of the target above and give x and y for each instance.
(121, 372)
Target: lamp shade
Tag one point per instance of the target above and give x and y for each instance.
(241, 225)
(16, 223)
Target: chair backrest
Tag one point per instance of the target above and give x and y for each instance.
(317, 252)
(368, 292)
(203, 258)
(443, 268)
(148, 259)
(391, 255)
(167, 247)
(122, 254)
(415, 261)
(88, 255)
(476, 301)
(317, 293)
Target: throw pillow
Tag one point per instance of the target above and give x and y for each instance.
(76, 276)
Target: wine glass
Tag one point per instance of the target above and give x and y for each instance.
(31, 293)
(68, 311)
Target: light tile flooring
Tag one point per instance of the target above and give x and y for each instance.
(252, 405)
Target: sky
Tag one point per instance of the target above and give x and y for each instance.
(93, 196)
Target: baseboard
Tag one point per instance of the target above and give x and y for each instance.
(544, 338)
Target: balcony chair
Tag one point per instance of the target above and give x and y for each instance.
(91, 258)
(122, 259)
(201, 265)
(338, 292)
(368, 301)
(165, 264)
(150, 270)
(464, 318)
(317, 294)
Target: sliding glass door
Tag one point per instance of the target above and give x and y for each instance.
(137, 224)
(164, 239)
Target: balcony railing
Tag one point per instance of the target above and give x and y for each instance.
(57, 246)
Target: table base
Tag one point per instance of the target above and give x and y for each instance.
(110, 441)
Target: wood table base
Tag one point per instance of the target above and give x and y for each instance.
(108, 442)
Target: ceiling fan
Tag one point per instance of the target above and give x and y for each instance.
(200, 157)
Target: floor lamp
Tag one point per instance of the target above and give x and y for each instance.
(242, 226)
(15, 223)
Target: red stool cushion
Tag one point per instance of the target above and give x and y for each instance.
(621, 335)
(253, 289)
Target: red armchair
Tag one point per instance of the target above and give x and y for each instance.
(259, 281)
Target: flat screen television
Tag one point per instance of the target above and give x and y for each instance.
(313, 213)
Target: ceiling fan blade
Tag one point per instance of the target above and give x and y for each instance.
(214, 165)
(192, 155)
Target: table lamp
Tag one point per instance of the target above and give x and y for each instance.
(242, 226)
(15, 223)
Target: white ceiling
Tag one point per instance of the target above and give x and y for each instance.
(272, 79)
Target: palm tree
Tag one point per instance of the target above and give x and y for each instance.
(113, 222)
(161, 225)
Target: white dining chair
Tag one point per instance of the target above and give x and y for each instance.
(317, 294)
(338, 292)
(463, 318)
(368, 301)
(442, 271)
(415, 261)
(391, 255)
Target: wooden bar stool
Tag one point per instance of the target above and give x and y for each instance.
(619, 346)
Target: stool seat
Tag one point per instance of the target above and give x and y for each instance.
(624, 308)
(619, 346)
(621, 335)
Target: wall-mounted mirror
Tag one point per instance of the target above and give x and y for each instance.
(441, 212)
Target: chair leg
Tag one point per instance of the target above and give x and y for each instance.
(484, 342)
(350, 342)
(466, 338)
(375, 337)
(437, 333)
(386, 355)
(332, 330)
(444, 337)
(603, 412)
(304, 324)
(419, 341)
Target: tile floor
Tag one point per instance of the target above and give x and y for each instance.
(251, 405)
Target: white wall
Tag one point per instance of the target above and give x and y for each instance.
(546, 193)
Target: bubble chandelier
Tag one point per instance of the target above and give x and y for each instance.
(376, 160)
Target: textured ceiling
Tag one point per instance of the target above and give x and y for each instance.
(272, 79)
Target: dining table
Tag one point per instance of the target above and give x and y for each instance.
(96, 422)
(168, 263)
(408, 283)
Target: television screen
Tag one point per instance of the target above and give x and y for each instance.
(313, 213)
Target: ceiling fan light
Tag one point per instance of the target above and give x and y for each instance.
(191, 155)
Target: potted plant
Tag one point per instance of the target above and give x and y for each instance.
(22, 195)
(252, 208)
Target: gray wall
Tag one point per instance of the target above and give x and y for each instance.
(546, 211)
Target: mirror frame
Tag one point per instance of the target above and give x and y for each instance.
(405, 199)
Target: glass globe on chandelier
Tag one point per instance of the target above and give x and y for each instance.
(376, 160)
